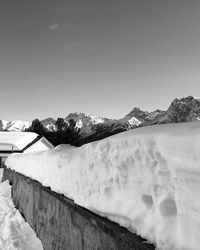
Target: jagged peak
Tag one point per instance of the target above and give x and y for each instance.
(84, 115)
(184, 99)
(136, 109)
(188, 101)
(137, 113)
(49, 119)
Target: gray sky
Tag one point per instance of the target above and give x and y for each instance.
(101, 57)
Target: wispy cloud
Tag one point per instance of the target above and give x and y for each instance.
(54, 26)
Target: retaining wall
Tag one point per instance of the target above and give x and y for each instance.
(62, 225)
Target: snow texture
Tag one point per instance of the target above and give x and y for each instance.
(15, 233)
(16, 125)
(79, 124)
(16, 140)
(134, 121)
(146, 179)
(94, 119)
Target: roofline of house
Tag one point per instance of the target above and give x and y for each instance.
(10, 151)
(31, 143)
(39, 137)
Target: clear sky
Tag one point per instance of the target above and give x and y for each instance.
(102, 57)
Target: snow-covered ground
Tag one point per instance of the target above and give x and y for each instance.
(147, 180)
(15, 233)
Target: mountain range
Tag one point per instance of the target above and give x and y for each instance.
(16, 125)
(93, 127)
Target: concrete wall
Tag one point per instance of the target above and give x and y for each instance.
(60, 224)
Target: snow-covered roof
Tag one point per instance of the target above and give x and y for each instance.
(16, 141)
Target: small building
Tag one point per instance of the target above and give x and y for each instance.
(21, 142)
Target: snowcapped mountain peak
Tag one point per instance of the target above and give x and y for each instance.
(136, 110)
(80, 115)
(82, 118)
(138, 113)
(85, 122)
(17, 125)
(96, 119)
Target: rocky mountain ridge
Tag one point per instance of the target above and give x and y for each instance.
(94, 127)
(16, 125)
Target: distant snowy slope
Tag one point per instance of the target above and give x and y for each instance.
(147, 180)
(17, 125)
(13, 125)
(85, 122)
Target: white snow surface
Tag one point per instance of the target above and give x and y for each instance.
(16, 140)
(17, 125)
(146, 179)
(96, 119)
(4, 123)
(15, 233)
(134, 121)
(79, 124)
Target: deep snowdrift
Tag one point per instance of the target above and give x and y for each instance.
(147, 180)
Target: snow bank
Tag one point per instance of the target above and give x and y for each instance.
(15, 233)
(147, 180)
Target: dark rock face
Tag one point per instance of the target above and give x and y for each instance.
(62, 225)
(138, 114)
(183, 110)
(180, 110)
